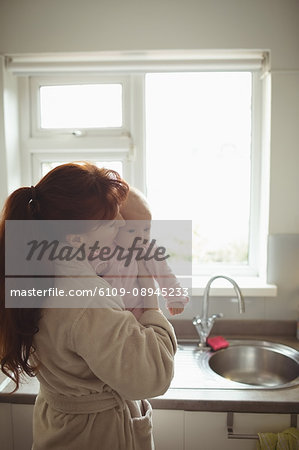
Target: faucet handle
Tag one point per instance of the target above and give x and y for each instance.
(196, 320)
(216, 316)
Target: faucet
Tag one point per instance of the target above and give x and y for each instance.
(204, 323)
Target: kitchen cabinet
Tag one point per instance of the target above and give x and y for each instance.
(168, 426)
(16, 426)
(22, 426)
(6, 438)
(197, 430)
(208, 430)
(175, 429)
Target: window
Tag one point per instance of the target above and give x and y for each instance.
(81, 106)
(97, 105)
(114, 165)
(198, 138)
(186, 133)
(78, 118)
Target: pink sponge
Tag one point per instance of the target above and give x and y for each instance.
(217, 342)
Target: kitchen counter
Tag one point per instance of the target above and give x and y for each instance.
(284, 400)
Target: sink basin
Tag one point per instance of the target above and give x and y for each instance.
(257, 364)
(245, 364)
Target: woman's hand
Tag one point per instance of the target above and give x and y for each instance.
(146, 281)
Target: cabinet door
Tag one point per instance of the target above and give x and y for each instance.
(261, 423)
(168, 426)
(6, 438)
(22, 426)
(208, 430)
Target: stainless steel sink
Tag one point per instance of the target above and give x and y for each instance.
(245, 364)
(257, 364)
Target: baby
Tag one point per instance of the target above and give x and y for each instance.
(136, 212)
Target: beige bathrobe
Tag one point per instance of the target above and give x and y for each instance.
(95, 365)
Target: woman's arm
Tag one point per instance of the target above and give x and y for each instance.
(133, 358)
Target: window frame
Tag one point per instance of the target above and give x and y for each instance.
(37, 82)
(128, 145)
(39, 158)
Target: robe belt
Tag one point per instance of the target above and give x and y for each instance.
(84, 404)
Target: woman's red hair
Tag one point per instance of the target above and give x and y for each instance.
(74, 191)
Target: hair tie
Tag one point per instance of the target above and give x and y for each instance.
(33, 193)
(33, 202)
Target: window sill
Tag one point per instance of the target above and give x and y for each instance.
(250, 287)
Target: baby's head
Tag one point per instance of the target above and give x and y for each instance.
(136, 212)
(135, 207)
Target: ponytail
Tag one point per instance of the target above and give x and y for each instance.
(17, 325)
(20, 205)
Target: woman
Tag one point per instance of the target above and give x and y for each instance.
(96, 364)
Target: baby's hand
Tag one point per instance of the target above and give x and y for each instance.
(175, 311)
(176, 308)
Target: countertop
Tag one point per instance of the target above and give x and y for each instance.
(284, 400)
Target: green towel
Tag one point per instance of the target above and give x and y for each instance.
(287, 440)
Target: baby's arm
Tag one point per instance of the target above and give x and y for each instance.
(175, 296)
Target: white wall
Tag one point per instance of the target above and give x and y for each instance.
(284, 187)
(30, 26)
(36, 26)
(90, 25)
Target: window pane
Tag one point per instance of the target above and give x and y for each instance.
(81, 106)
(198, 141)
(114, 165)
